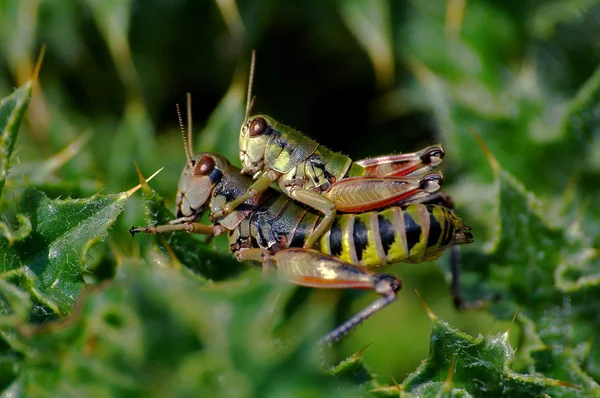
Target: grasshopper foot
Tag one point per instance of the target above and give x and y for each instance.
(219, 213)
(483, 304)
(147, 230)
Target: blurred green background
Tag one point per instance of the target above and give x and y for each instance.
(365, 78)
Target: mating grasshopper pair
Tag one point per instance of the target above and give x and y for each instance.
(325, 180)
(391, 209)
(272, 229)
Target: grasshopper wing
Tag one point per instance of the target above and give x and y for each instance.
(358, 194)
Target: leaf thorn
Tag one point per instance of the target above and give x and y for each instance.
(38, 64)
(512, 323)
(430, 313)
(495, 166)
(143, 181)
(360, 352)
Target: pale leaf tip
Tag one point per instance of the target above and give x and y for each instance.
(455, 11)
(360, 352)
(565, 384)
(430, 313)
(118, 254)
(512, 323)
(38, 64)
(419, 70)
(143, 181)
(23, 176)
(488, 154)
(389, 389)
(398, 387)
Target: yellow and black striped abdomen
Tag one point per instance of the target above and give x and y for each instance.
(414, 234)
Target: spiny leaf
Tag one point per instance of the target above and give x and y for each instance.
(213, 345)
(51, 261)
(15, 305)
(527, 261)
(20, 233)
(15, 311)
(356, 371)
(12, 109)
(481, 367)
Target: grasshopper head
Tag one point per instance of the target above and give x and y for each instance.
(198, 179)
(254, 137)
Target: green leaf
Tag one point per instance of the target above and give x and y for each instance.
(51, 261)
(219, 342)
(133, 140)
(12, 109)
(9, 368)
(553, 13)
(112, 18)
(15, 311)
(548, 274)
(370, 24)
(21, 233)
(481, 367)
(221, 133)
(15, 305)
(354, 370)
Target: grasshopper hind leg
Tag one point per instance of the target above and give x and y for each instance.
(311, 268)
(384, 284)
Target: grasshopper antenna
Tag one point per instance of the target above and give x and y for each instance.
(250, 98)
(186, 145)
(190, 134)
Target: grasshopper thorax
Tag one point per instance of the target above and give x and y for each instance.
(254, 138)
(198, 179)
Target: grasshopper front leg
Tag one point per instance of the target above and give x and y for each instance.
(255, 190)
(187, 226)
(311, 268)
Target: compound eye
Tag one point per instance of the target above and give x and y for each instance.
(205, 166)
(258, 127)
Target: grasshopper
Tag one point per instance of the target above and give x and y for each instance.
(323, 179)
(272, 229)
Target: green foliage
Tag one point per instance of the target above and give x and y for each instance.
(12, 109)
(512, 89)
(50, 255)
(213, 345)
(471, 367)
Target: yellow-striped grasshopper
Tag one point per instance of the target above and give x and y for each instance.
(272, 229)
(326, 180)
